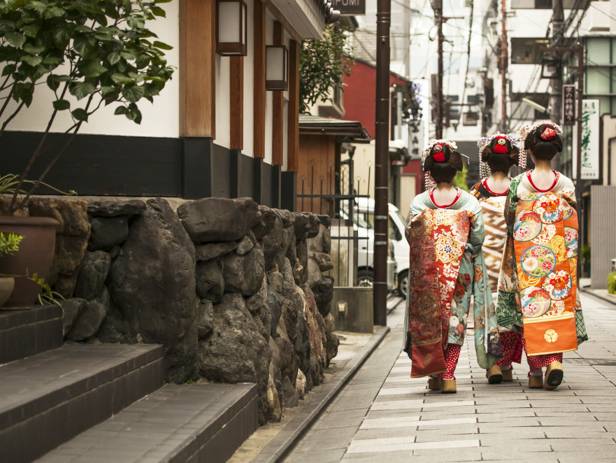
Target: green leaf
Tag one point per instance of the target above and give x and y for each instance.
(133, 94)
(53, 82)
(120, 110)
(127, 55)
(61, 105)
(37, 6)
(32, 60)
(60, 37)
(93, 69)
(121, 78)
(81, 90)
(31, 30)
(16, 39)
(162, 45)
(113, 58)
(34, 49)
(158, 11)
(8, 69)
(80, 114)
(52, 61)
(23, 91)
(53, 12)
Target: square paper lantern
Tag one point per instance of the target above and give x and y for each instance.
(277, 67)
(232, 28)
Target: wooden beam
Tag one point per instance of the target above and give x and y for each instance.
(236, 102)
(197, 68)
(259, 80)
(294, 106)
(277, 111)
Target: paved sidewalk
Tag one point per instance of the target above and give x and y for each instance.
(383, 416)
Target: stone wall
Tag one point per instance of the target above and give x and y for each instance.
(234, 291)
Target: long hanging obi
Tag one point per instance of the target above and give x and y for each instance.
(545, 239)
(441, 278)
(496, 236)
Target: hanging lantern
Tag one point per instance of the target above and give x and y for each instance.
(232, 28)
(277, 68)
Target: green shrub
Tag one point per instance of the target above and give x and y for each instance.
(611, 282)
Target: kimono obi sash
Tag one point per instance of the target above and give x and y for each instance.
(545, 234)
(493, 210)
(438, 239)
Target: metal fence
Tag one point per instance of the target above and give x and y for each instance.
(338, 198)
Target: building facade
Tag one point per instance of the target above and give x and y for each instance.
(217, 129)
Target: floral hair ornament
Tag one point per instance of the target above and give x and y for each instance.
(548, 134)
(428, 182)
(497, 144)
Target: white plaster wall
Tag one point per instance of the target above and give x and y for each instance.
(285, 114)
(222, 101)
(609, 131)
(249, 64)
(160, 119)
(529, 23)
(269, 40)
(364, 168)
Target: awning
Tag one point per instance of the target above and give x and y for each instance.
(329, 126)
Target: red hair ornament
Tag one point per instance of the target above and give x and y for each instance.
(500, 146)
(548, 134)
(438, 154)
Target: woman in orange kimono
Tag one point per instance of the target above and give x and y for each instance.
(543, 225)
(498, 154)
(447, 275)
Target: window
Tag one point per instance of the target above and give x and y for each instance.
(528, 50)
(470, 118)
(600, 78)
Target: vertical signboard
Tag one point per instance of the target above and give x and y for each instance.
(569, 104)
(350, 7)
(590, 141)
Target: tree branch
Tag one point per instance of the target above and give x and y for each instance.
(75, 128)
(37, 151)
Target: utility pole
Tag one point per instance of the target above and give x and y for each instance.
(556, 83)
(504, 59)
(381, 181)
(578, 164)
(437, 6)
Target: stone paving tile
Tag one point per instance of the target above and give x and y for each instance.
(329, 456)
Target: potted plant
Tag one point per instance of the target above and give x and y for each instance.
(9, 245)
(85, 55)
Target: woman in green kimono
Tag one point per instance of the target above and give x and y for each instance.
(446, 233)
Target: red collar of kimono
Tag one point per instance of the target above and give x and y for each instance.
(484, 182)
(444, 206)
(530, 179)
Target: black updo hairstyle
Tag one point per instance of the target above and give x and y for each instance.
(544, 142)
(500, 154)
(443, 162)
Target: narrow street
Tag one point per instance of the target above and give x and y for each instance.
(382, 415)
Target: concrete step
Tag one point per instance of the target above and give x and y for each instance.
(29, 331)
(178, 423)
(51, 397)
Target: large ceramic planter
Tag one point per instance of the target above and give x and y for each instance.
(35, 255)
(7, 284)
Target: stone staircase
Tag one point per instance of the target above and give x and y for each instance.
(107, 402)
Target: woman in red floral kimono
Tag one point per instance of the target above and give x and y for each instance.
(543, 226)
(447, 275)
(498, 154)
